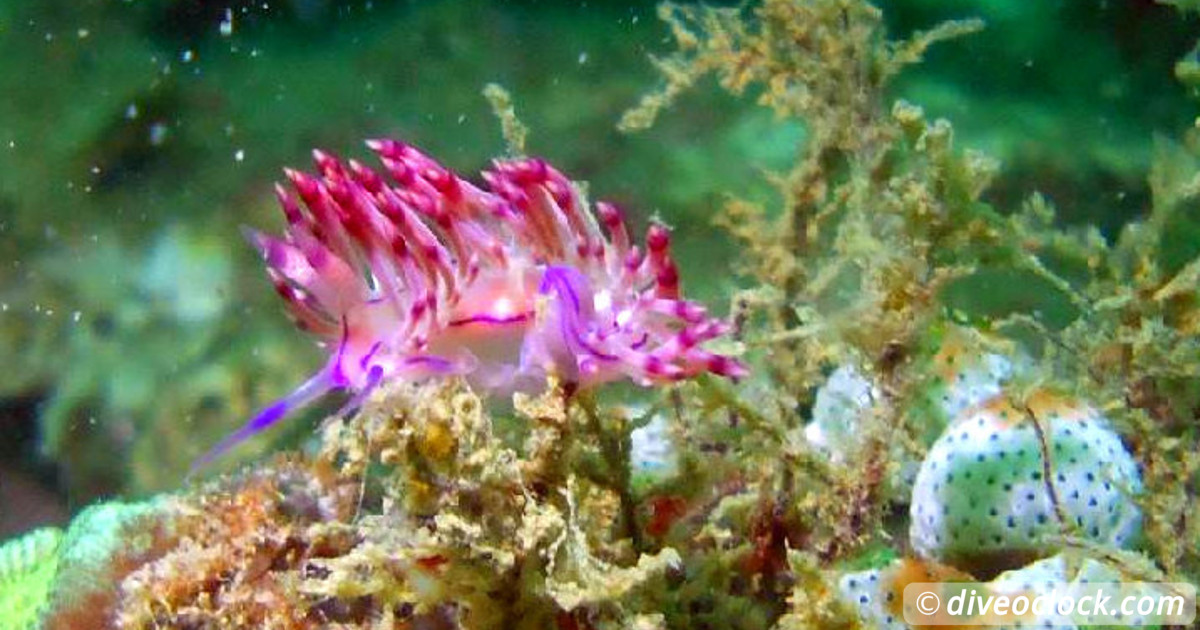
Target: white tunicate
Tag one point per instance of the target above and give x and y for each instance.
(652, 453)
(981, 491)
(840, 426)
(869, 593)
(1056, 573)
(838, 412)
(976, 383)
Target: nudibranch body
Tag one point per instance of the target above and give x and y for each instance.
(415, 273)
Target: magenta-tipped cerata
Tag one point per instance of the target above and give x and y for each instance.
(412, 272)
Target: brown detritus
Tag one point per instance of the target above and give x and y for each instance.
(814, 602)
(212, 557)
(236, 549)
(1047, 472)
(549, 433)
(772, 533)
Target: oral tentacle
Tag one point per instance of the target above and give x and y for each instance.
(315, 387)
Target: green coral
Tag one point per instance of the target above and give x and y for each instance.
(47, 569)
(28, 565)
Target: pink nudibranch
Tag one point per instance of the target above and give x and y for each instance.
(417, 273)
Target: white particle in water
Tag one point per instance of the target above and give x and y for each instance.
(158, 133)
(227, 23)
(239, 155)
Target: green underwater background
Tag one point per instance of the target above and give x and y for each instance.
(905, 193)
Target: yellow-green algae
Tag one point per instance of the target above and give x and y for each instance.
(883, 239)
(27, 569)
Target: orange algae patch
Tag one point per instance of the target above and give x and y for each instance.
(233, 554)
(953, 353)
(1047, 405)
(916, 571)
(1005, 411)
